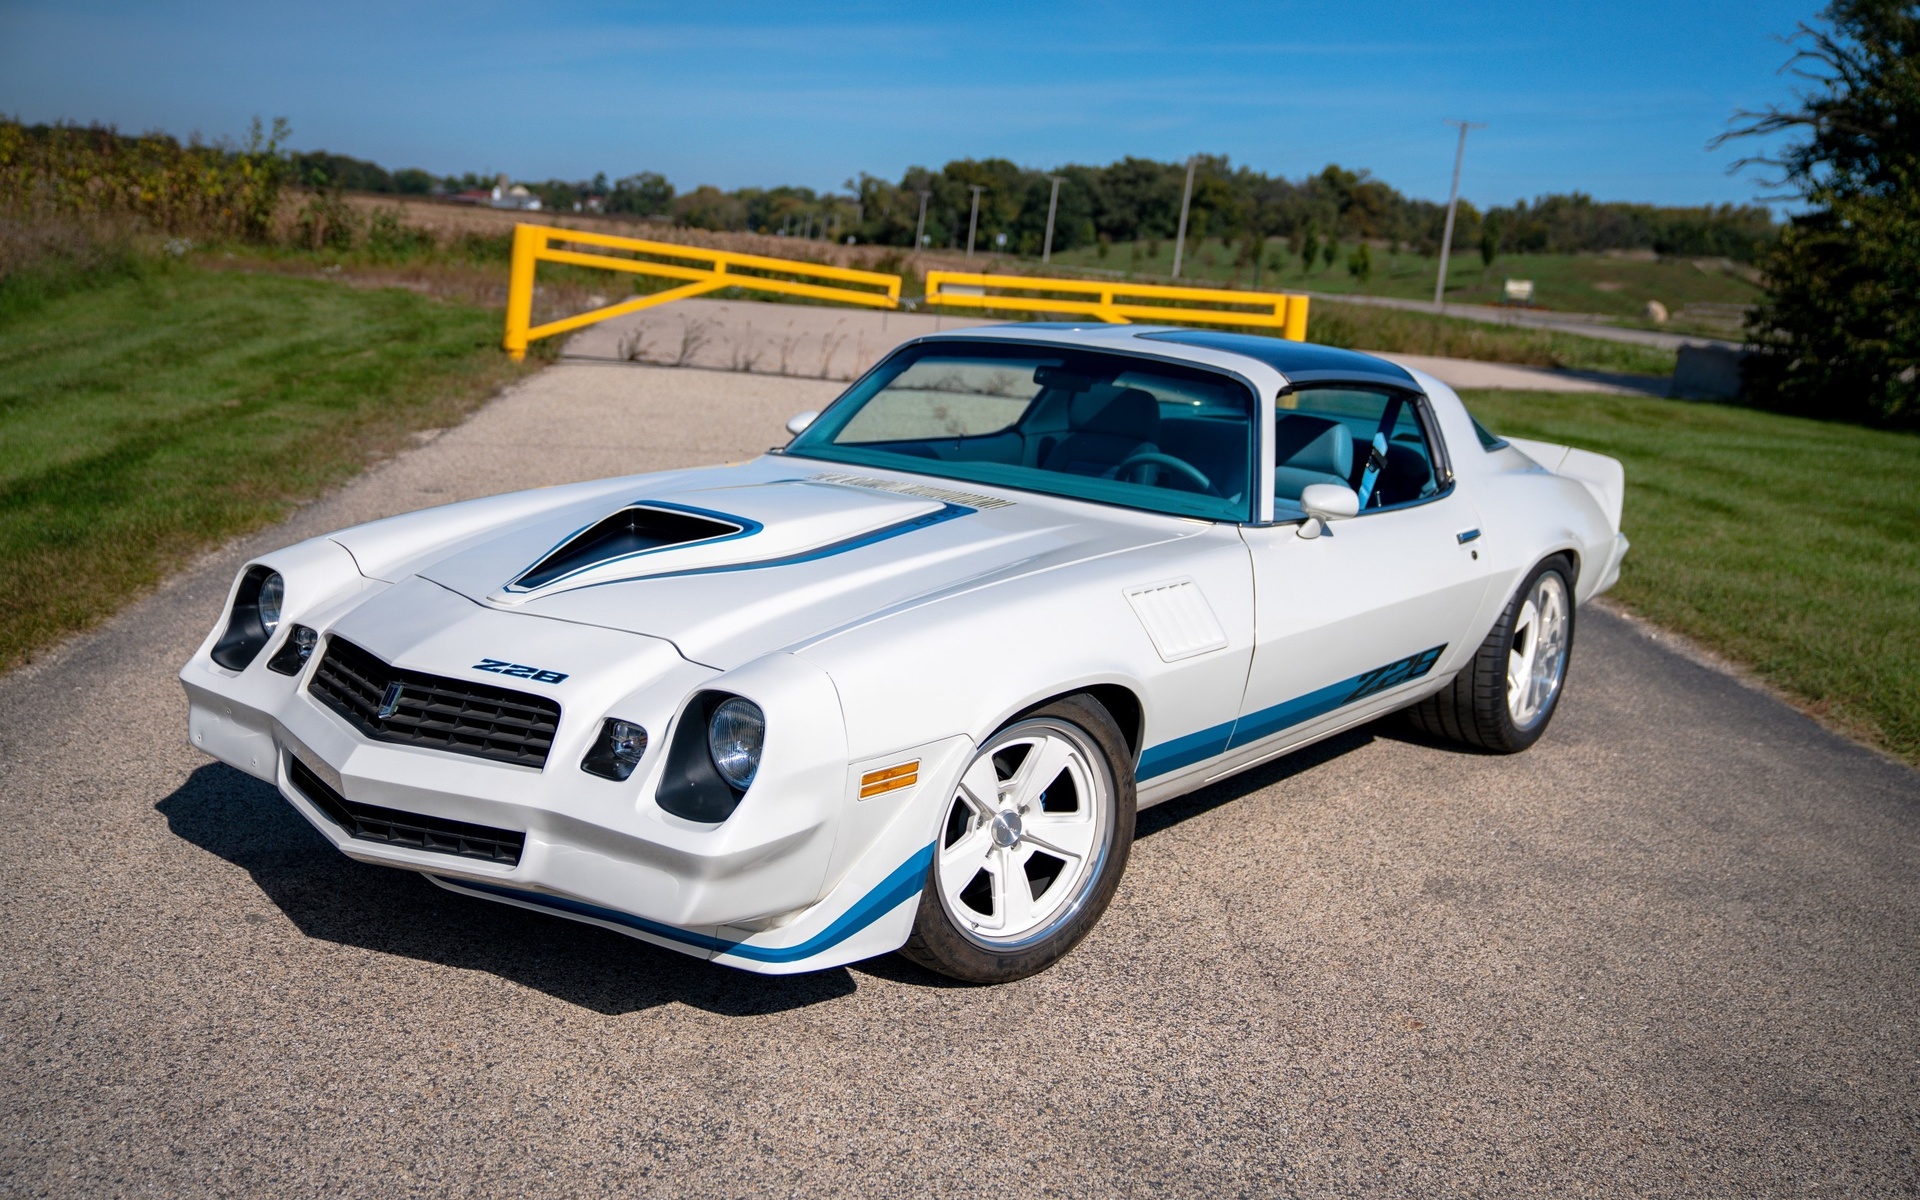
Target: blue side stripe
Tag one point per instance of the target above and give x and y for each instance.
(902, 885)
(1298, 711)
(1183, 751)
(1198, 747)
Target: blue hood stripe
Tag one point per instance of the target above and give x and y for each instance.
(904, 884)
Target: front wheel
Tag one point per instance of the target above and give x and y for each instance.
(1031, 846)
(1503, 699)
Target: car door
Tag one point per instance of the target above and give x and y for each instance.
(1347, 621)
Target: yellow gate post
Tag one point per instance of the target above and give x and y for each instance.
(527, 242)
(703, 270)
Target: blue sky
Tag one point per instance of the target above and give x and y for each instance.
(1618, 99)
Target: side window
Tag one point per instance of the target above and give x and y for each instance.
(1371, 441)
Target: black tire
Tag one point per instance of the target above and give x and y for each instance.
(939, 944)
(1473, 710)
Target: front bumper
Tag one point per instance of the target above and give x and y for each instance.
(803, 875)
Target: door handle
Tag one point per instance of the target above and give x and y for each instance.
(1467, 535)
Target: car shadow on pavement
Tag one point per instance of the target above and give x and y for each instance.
(333, 898)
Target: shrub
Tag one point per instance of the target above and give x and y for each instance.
(1360, 263)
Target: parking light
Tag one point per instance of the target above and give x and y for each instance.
(617, 751)
(295, 651)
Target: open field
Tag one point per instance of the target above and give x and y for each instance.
(1703, 295)
(465, 258)
(147, 419)
(1790, 546)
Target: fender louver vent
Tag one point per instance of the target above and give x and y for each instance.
(629, 531)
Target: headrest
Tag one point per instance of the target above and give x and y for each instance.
(1131, 413)
(1313, 444)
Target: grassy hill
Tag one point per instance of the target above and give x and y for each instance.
(1703, 295)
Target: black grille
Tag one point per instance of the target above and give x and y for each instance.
(371, 823)
(444, 714)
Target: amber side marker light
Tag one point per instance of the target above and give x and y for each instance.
(889, 779)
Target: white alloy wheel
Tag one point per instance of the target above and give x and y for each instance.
(1026, 835)
(1537, 661)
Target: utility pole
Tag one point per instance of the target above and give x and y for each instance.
(1053, 206)
(1453, 201)
(973, 222)
(920, 230)
(1186, 199)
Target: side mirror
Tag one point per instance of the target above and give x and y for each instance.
(1323, 502)
(798, 422)
(1330, 501)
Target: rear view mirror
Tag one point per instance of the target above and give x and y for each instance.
(798, 422)
(1323, 502)
(1062, 379)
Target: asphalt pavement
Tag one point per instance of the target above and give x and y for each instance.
(1674, 950)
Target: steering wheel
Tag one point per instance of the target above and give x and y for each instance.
(1153, 458)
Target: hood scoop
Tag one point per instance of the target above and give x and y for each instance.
(698, 532)
(629, 532)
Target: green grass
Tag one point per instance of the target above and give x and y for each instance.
(146, 419)
(1788, 545)
(1364, 327)
(1583, 283)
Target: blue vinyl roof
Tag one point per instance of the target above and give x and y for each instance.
(1300, 362)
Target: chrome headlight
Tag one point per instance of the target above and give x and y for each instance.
(273, 590)
(735, 734)
(255, 615)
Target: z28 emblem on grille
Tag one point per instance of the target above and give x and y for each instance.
(518, 671)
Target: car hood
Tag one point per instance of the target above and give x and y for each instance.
(730, 563)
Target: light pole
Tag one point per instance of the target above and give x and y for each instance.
(973, 222)
(1053, 206)
(1453, 200)
(920, 230)
(1186, 198)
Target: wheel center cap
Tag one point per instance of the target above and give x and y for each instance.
(1006, 828)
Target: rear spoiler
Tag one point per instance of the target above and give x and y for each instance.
(1600, 475)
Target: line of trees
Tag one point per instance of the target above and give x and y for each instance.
(1135, 199)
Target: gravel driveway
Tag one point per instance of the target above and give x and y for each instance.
(1671, 951)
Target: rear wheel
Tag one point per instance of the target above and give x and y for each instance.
(1031, 846)
(1504, 698)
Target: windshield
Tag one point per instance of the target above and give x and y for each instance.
(1070, 422)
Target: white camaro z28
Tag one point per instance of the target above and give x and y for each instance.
(903, 684)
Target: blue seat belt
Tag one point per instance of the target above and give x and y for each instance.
(1376, 461)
